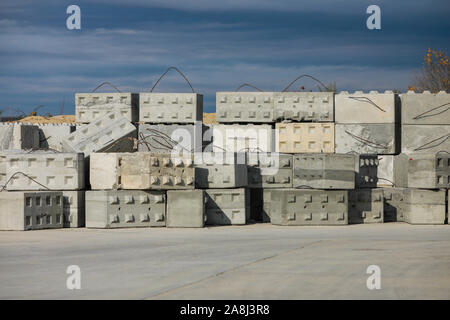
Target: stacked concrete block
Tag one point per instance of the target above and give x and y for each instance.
(304, 106)
(417, 170)
(270, 170)
(186, 208)
(308, 207)
(110, 133)
(170, 107)
(74, 208)
(16, 136)
(367, 122)
(125, 209)
(42, 170)
(220, 170)
(425, 206)
(163, 138)
(51, 134)
(385, 171)
(367, 171)
(304, 137)
(394, 204)
(425, 122)
(92, 106)
(227, 206)
(325, 171)
(141, 171)
(242, 138)
(365, 206)
(245, 107)
(31, 210)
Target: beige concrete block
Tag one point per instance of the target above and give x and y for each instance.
(304, 137)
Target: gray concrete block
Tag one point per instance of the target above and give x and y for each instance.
(304, 137)
(252, 107)
(270, 170)
(16, 136)
(366, 171)
(425, 108)
(74, 209)
(242, 138)
(425, 206)
(125, 209)
(425, 138)
(308, 207)
(50, 134)
(379, 138)
(170, 107)
(92, 106)
(304, 106)
(394, 204)
(227, 206)
(141, 171)
(51, 170)
(220, 170)
(418, 170)
(163, 138)
(186, 208)
(109, 133)
(360, 107)
(31, 210)
(325, 171)
(365, 206)
(385, 171)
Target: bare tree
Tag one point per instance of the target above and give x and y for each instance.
(435, 74)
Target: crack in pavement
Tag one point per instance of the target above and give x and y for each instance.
(235, 268)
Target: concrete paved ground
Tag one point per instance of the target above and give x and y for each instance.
(248, 262)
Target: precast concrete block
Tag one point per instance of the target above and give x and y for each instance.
(142, 171)
(304, 137)
(308, 207)
(304, 106)
(425, 138)
(364, 138)
(245, 107)
(425, 108)
(372, 107)
(31, 210)
(365, 206)
(425, 206)
(220, 170)
(45, 170)
(385, 171)
(420, 170)
(170, 107)
(186, 208)
(366, 171)
(270, 170)
(394, 204)
(50, 134)
(227, 206)
(325, 171)
(92, 106)
(74, 208)
(243, 138)
(16, 136)
(125, 209)
(260, 204)
(163, 138)
(109, 133)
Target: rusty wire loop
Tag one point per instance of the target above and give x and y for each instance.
(393, 184)
(24, 174)
(424, 114)
(247, 85)
(108, 83)
(368, 142)
(367, 100)
(134, 140)
(426, 145)
(176, 69)
(308, 76)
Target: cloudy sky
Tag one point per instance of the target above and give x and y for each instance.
(217, 44)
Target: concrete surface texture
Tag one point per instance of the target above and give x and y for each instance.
(186, 208)
(270, 170)
(50, 134)
(425, 108)
(304, 106)
(304, 137)
(74, 208)
(366, 171)
(365, 206)
(241, 138)
(425, 206)
(227, 206)
(385, 171)
(170, 107)
(245, 262)
(14, 136)
(425, 138)
(242, 107)
(91, 106)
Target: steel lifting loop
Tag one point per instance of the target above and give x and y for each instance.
(367, 100)
(308, 76)
(108, 83)
(427, 145)
(368, 142)
(424, 114)
(248, 85)
(176, 69)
